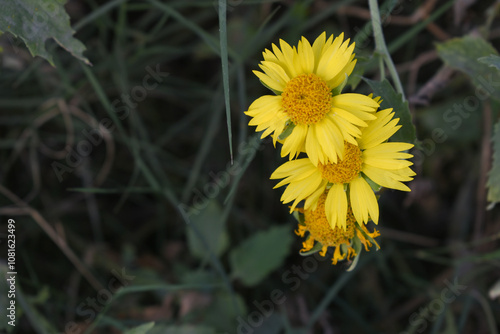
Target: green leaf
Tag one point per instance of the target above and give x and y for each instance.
(491, 61)
(391, 99)
(36, 21)
(493, 183)
(207, 230)
(467, 54)
(463, 53)
(260, 254)
(224, 310)
(142, 329)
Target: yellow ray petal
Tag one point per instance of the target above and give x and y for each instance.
(306, 56)
(363, 201)
(389, 179)
(291, 167)
(336, 206)
(295, 141)
(270, 82)
(312, 201)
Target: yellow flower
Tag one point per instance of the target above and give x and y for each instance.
(372, 158)
(307, 81)
(344, 241)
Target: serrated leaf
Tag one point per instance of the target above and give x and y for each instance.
(493, 183)
(37, 21)
(260, 254)
(491, 61)
(207, 230)
(391, 99)
(142, 329)
(464, 54)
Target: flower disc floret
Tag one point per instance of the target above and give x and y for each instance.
(318, 227)
(346, 170)
(306, 99)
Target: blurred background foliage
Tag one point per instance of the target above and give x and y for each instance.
(152, 226)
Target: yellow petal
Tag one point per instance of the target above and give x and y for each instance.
(389, 179)
(336, 206)
(295, 141)
(270, 82)
(306, 56)
(292, 167)
(331, 139)
(317, 48)
(312, 200)
(351, 118)
(363, 201)
(289, 56)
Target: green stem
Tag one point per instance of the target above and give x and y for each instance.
(381, 47)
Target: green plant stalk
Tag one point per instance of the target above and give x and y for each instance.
(381, 47)
(225, 70)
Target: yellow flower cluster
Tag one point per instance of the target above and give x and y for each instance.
(341, 138)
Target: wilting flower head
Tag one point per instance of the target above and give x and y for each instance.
(347, 242)
(308, 113)
(384, 163)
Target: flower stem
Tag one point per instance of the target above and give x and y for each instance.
(381, 47)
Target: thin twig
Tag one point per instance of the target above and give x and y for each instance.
(49, 230)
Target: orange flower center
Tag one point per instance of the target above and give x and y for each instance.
(346, 170)
(306, 99)
(320, 229)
